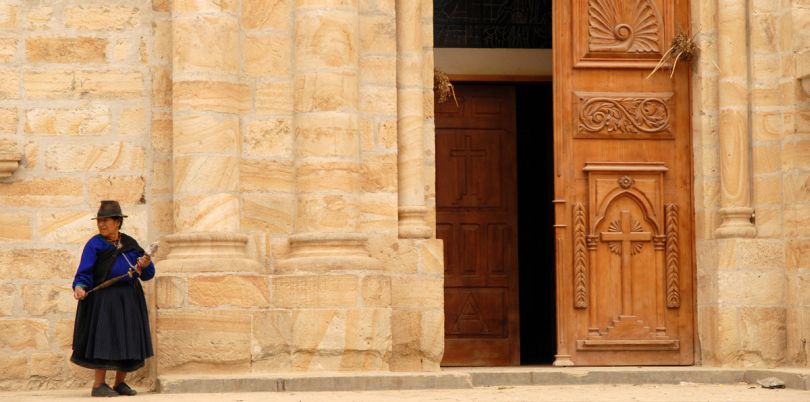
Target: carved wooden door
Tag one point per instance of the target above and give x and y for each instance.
(623, 185)
(476, 216)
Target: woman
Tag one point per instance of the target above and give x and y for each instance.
(111, 331)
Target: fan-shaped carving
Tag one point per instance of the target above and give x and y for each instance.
(616, 246)
(611, 29)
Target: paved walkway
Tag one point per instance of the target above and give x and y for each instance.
(573, 393)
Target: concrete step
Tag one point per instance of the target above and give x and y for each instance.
(458, 378)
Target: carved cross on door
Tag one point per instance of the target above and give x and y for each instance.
(468, 152)
(627, 236)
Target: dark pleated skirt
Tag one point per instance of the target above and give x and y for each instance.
(111, 330)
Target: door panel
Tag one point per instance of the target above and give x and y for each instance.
(477, 219)
(623, 185)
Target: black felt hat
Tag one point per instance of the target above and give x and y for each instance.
(109, 209)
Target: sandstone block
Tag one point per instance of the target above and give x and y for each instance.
(387, 134)
(326, 213)
(14, 367)
(380, 173)
(394, 254)
(405, 333)
(269, 212)
(132, 122)
(272, 335)
(797, 221)
(431, 257)
(65, 50)
(161, 218)
(767, 190)
(796, 290)
(161, 87)
(48, 365)
(9, 15)
(228, 290)
(161, 179)
(301, 291)
(271, 138)
(110, 84)
(270, 176)
(796, 188)
(274, 97)
(162, 137)
(432, 337)
(318, 330)
(366, 126)
(206, 43)
(368, 329)
(38, 263)
(378, 213)
(24, 334)
(15, 227)
(44, 299)
(162, 43)
(125, 189)
(123, 50)
(205, 6)
(376, 291)
(769, 222)
(327, 135)
(8, 299)
(211, 96)
(378, 70)
(417, 292)
(9, 84)
(205, 174)
(67, 227)
(63, 335)
(196, 133)
(328, 176)
(102, 18)
(8, 121)
(797, 254)
(97, 158)
(762, 331)
(267, 14)
(326, 40)
(796, 155)
(49, 84)
(8, 49)
(751, 288)
(170, 291)
(207, 213)
(766, 158)
(326, 91)
(214, 341)
(40, 17)
(268, 55)
(377, 6)
(378, 34)
(92, 120)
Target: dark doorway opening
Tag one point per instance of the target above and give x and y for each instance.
(536, 262)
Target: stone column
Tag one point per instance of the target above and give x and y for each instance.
(208, 98)
(327, 140)
(410, 121)
(734, 130)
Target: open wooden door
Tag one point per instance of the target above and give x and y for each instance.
(476, 216)
(623, 163)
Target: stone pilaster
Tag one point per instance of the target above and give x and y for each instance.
(208, 98)
(327, 140)
(734, 130)
(410, 121)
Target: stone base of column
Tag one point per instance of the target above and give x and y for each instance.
(412, 223)
(208, 252)
(563, 361)
(328, 251)
(736, 222)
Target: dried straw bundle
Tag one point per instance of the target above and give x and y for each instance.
(683, 48)
(443, 87)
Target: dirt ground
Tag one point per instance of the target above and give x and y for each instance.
(569, 393)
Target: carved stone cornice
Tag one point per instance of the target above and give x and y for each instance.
(326, 252)
(9, 163)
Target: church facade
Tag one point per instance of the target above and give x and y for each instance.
(319, 210)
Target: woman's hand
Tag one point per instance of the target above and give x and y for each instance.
(79, 293)
(143, 261)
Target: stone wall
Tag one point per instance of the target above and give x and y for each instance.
(751, 305)
(261, 142)
(83, 99)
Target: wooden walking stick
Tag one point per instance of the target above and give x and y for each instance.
(152, 249)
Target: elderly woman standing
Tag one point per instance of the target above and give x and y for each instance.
(111, 331)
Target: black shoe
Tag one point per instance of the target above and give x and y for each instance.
(103, 390)
(124, 389)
